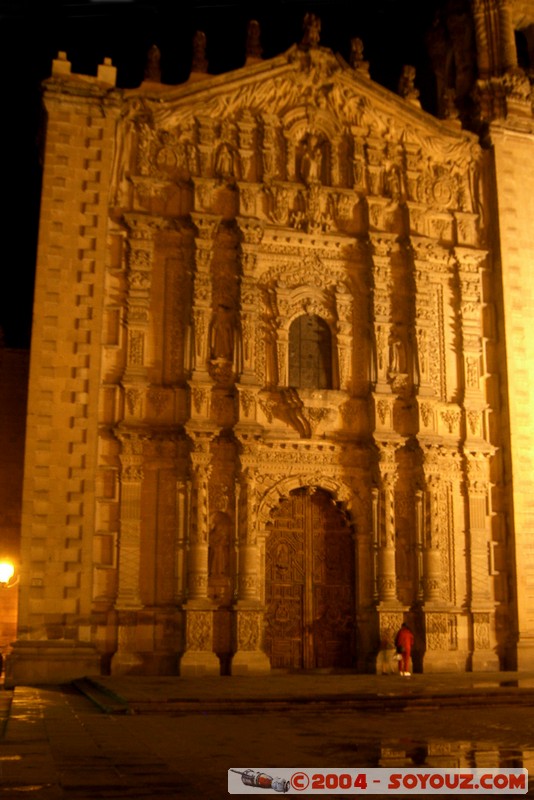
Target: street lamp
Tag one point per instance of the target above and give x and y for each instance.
(7, 570)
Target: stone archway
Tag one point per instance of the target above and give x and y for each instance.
(309, 584)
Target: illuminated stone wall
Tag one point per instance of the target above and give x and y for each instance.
(184, 229)
(515, 186)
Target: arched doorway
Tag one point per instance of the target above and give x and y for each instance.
(309, 584)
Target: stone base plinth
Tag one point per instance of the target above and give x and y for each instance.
(485, 661)
(124, 663)
(250, 662)
(197, 663)
(445, 661)
(386, 663)
(43, 662)
(525, 655)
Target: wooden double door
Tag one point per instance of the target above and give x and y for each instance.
(309, 589)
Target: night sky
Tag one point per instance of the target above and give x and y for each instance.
(32, 32)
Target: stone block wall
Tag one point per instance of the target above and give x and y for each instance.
(514, 171)
(58, 493)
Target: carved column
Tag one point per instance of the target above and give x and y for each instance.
(202, 294)
(419, 542)
(252, 235)
(140, 258)
(249, 658)
(128, 599)
(431, 273)
(384, 525)
(430, 261)
(481, 596)
(432, 574)
(383, 246)
(502, 89)
(198, 657)
(475, 404)
(507, 36)
(344, 335)
(444, 565)
(390, 612)
(183, 503)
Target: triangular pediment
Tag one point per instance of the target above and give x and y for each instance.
(303, 136)
(304, 89)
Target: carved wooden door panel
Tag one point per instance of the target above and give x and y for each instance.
(309, 590)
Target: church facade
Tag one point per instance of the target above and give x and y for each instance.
(280, 398)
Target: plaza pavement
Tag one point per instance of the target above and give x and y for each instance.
(73, 741)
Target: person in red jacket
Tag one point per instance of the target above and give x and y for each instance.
(404, 642)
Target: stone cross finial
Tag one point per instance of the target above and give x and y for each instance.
(200, 62)
(312, 30)
(254, 48)
(153, 64)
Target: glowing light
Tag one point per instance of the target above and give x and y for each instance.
(7, 570)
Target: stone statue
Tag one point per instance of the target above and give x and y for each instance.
(199, 63)
(153, 65)
(219, 546)
(312, 159)
(222, 334)
(312, 31)
(407, 85)
(357, 61)
(254, 48)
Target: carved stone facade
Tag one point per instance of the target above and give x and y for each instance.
(206, 505)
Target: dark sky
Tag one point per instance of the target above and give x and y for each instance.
(33, 31)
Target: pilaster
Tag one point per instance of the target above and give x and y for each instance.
(198, 657)
(249, 658)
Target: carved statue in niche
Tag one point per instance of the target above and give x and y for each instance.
(223, 334)
(397, 355)
(219, 545)
(226, 162)
(312, 158)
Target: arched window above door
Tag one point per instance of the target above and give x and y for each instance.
(310, 353)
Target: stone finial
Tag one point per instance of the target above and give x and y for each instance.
(153, 65)
(357, 61)
(200, 62)
(60, 65)
(407, 88)
(107, 73)
(312, 30)
(254, 48)
(449, 109)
